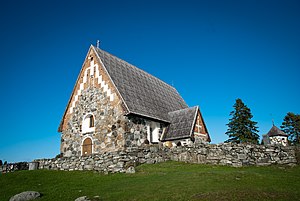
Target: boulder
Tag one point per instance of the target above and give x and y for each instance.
(83, 198)
(33, 165)
(26, 195)
(130, 170)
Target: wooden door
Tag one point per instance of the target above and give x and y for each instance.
(87, 147)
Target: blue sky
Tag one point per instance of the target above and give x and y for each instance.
(213, 52)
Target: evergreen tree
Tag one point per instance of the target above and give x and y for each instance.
(241, 129)
(291, 126)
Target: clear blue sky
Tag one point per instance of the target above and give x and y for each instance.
(213, 52)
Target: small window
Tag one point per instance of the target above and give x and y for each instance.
(88, 123)
(92, 122)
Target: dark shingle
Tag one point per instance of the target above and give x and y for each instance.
(182, 122)
(143, 93)
(275, 131)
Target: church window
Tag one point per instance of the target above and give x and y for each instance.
(92, 121)
(88, 123)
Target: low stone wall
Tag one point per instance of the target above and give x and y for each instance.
(11, 167)
(236, 155)
(121, 161)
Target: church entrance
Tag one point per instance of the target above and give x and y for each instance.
(87, 147)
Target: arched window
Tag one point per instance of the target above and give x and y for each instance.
(91, 121)
(87, 147)
(88, 123)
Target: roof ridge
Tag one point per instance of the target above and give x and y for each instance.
(196, 106)
(125, 62)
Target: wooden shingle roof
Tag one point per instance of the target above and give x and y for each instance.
(275, 131)
(142, 93)
(182, 122)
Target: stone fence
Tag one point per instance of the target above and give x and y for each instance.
(11, 167)
(236, 155)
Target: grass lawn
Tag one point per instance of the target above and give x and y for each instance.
(164, 181)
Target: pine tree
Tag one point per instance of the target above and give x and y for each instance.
(241, 129)
(291, 126)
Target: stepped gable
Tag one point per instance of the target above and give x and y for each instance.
(275, 131)
(182, 123)
(142, 93)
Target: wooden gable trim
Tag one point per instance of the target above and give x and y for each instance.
(194, 122)
(199, 115)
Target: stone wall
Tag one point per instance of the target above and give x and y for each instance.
(11, 167)
(119, 161)
(236, 155)
(109, 124)
(112, 132)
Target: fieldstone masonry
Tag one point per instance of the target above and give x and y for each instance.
(109, 124)
(236, 155)
(113, 130)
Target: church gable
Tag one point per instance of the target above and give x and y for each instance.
(94, 119)
(92, 75)
(200, 130)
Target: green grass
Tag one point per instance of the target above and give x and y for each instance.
(164, 181)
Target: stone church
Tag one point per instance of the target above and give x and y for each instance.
(275, 136)
(115, 105)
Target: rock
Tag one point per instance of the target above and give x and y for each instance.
(26, 195)
(83, 198)
(242, 156)
(130, 170)
(88, 167)
(68, 154)
(33, 165)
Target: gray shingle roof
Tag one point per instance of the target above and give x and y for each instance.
(182, 122)
(143, 93)
(275, 131)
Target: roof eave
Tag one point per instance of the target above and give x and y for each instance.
(176, 138)
(209, 139)
(147, 116)
(194, 121)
